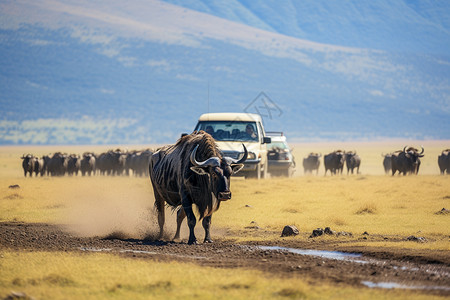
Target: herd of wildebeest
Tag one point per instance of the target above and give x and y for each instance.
(113, 162)
(406, 161)
(119, 162)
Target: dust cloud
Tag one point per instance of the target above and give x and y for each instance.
(120, 208)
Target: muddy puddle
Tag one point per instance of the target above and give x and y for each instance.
(393, 285)
(354, 257)
(358, 258)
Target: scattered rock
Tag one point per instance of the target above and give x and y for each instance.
(418, 239)
(442, 212)
(365, 233)
(328, 231)
(17, 296)
(246, 205)
(14, 186)
(289, 230)
(317, 232)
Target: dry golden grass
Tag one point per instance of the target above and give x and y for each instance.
(45, 275)
(377, 204)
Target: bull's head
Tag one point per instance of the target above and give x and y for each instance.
(219, 170)
(410, 152)
(27, 160)
(413, 155)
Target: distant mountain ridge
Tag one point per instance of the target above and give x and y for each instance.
(139, 73)
(397, 26)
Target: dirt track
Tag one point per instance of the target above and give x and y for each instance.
(429, 270)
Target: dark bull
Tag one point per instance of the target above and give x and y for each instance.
(334, 162)
(193, 171)
(406, 161)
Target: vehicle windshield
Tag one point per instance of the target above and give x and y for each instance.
(230, 130)
(280, 145)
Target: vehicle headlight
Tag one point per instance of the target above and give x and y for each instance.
(251, 155)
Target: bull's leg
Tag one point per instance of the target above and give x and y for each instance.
(180, 217)
(186, 202)
(161, 220)
(191, 223)
(207, 225)
(159, 203)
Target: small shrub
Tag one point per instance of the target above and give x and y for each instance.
(368, 208)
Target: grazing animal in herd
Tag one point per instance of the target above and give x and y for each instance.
(334, 162)
(73, 164)
(46, 159)
(87, 164)
(39, 166)
(311, 163)
(387, 162)
(406, 161)
(353, 161)
(444, 161)
(57, 165)
(192, 171)
(140, 162)
(111, 162)
(28, 164)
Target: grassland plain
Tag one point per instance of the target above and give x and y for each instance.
(388, 208)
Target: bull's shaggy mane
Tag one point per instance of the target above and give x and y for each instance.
(207, 145)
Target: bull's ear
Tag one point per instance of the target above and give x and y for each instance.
(236, 168)
(199, 170)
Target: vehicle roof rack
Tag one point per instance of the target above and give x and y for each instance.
(280, 133)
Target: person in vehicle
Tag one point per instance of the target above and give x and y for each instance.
(209, 129)
(250, 131)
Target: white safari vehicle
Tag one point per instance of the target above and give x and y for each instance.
(231, 130)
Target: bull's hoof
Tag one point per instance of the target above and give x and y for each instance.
(207, 241)
(176, 240)
(192, 241)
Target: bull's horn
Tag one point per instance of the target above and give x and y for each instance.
(232, 161)
(243, 158)
(210, 162)
(404, 149)
(422, 150)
